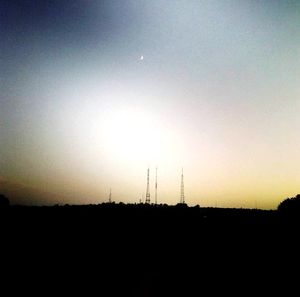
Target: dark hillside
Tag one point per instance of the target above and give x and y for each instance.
(140, 249)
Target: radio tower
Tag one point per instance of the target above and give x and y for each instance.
(182, 200)
(109, 197)
(156, 186)
(148, 190)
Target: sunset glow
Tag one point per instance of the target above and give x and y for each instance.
(94, 95)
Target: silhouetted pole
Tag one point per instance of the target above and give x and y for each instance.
(109, 198)
(148, 188)
(182, 199)
(156, 186)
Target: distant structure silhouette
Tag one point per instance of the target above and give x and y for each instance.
(109, 197)
(182, 198)
(156, 186)
(148, 188)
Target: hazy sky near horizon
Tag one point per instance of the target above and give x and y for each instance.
(217, 92)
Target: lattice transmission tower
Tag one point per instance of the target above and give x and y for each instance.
(148, 188)
(156, 186)
(182, 198)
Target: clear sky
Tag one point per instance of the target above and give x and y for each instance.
(94, 92)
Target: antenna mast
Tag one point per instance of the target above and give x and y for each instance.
(182, 199)
(109, 197)
(156, 186)
(148, 189)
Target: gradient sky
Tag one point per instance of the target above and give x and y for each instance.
(217, 93)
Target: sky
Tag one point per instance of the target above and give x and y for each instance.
(92, 93)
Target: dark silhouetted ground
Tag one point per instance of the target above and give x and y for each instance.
(142, 250)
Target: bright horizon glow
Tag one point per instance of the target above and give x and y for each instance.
(137, 135)
(92, 93)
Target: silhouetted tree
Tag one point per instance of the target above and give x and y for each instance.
(4, 202)
(290, 205)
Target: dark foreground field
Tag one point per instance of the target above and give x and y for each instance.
(140, 250)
